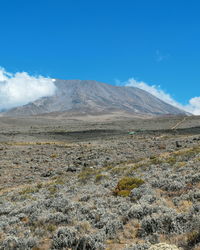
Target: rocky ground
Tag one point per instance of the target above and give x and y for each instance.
(79, 184)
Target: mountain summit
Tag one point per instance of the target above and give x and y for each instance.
(92, 96)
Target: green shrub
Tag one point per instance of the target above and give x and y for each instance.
(123, 193)
(126, 184)
(52, 189)
(171, 160)
(86, 175)
(51, 228)
(28, 190)
(100, 177)
(156, 160)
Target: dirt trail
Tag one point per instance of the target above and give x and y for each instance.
(179, 123)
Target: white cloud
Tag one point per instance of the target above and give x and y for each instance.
(193, 105)
(21, 88)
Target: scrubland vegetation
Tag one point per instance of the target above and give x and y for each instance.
(127, 192)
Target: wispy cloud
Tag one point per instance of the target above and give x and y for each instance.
(193, 105)
(21, 88)
(160, 56)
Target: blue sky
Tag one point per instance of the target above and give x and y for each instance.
(154, 41)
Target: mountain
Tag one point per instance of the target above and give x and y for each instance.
(95, 97)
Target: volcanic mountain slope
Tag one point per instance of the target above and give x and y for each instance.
(92, 96)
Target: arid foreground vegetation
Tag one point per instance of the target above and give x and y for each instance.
(78, 185)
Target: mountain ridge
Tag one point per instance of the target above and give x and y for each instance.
(86, 96)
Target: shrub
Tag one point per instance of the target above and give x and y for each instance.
(52, 189)
(171, 160)
(124, 193)
(28, 190)
(193, 238)
(100, 177)
(54, 156)
(155, 160)
(86, 175)
(51, 228)
(126, 184)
